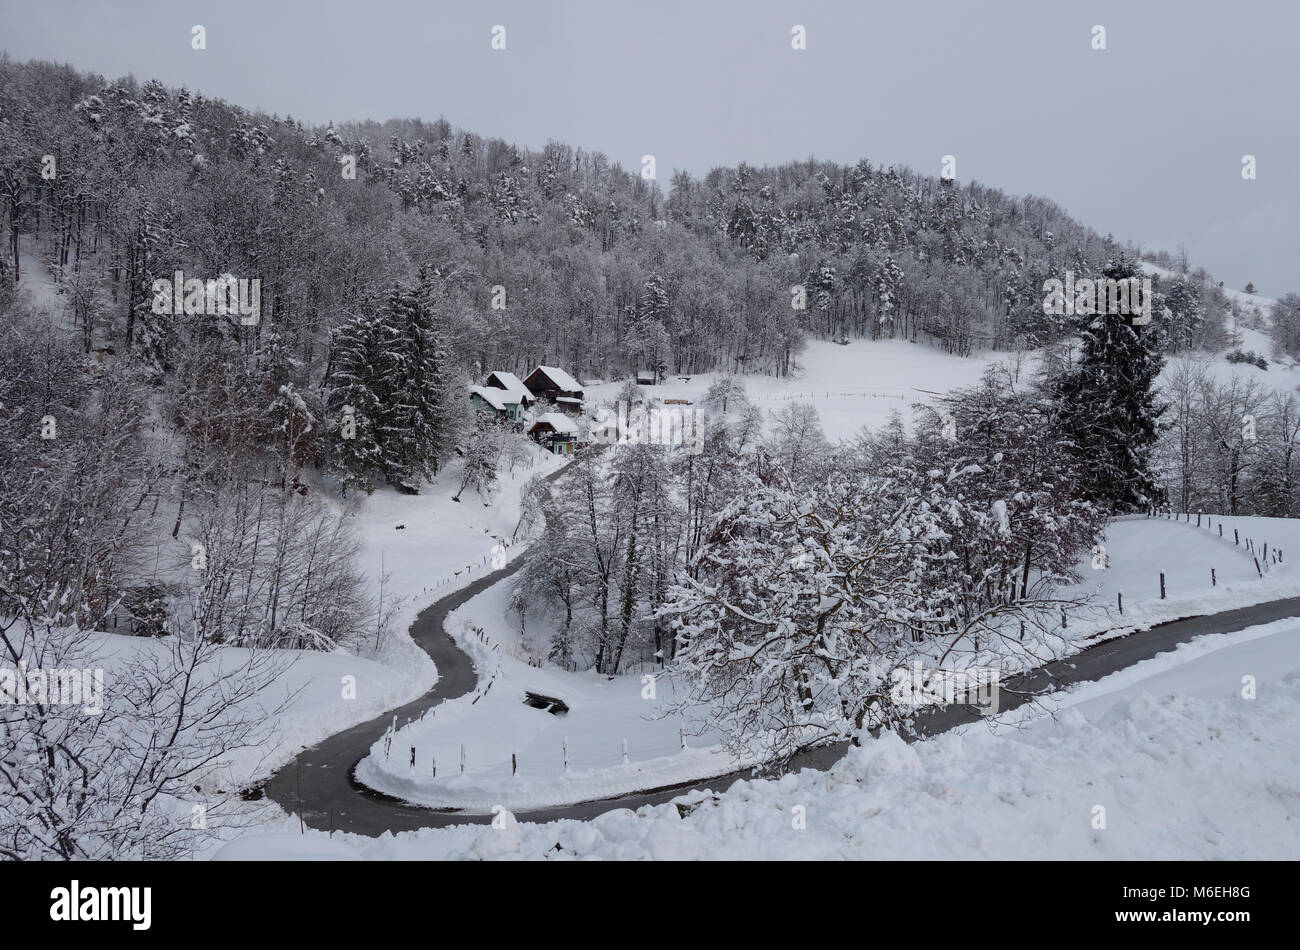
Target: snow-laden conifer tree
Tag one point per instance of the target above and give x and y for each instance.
(1110, 406)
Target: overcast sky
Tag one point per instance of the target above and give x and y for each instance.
(1143, 140)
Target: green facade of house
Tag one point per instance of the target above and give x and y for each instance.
(513, 411)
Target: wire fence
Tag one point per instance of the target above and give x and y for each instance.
(1264, 557)
(824, 394)
(560, 758)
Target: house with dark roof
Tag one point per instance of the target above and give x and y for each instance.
(554, 385)
(512, 385)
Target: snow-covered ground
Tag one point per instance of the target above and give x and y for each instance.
(494, 722)
(1190, 755)
(38, 285)
(313, 680)
(604, 711)
(1283, 373)
(430, 545)
(1138, 550)
(444, 545)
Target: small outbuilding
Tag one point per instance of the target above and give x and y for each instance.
(556, 431)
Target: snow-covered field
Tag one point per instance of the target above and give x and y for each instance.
(1283, 373)
(851, 386)
(1138, 550)
(1179, 757)
(430, 545)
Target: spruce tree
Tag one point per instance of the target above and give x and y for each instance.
(355, 407)
(1109, 406)
(393, 372)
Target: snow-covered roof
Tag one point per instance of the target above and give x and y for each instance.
(557, 421)
(496, 398)
(573, 399)
(561, 379)
(513, 385)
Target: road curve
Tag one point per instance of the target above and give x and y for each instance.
(320, 786)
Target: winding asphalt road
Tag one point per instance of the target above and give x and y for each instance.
(320, 786)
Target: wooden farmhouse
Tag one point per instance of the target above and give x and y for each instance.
(554, 385)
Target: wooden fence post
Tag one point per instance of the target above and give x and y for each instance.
(1162, 585)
